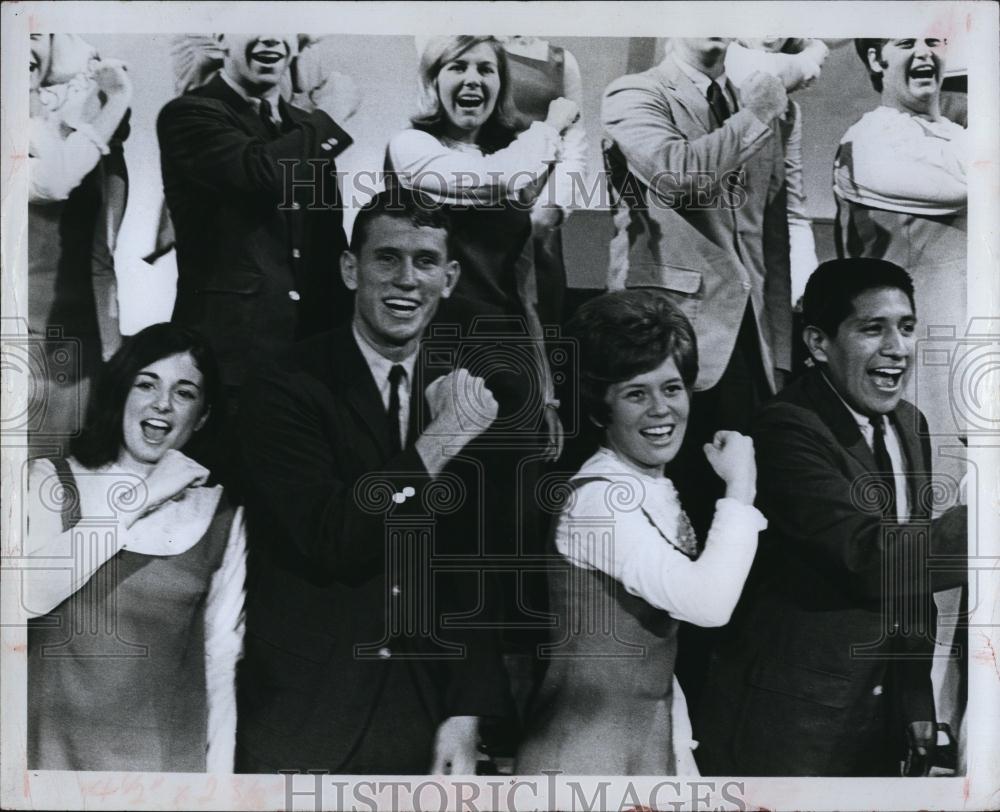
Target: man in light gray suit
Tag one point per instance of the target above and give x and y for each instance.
(697, 169)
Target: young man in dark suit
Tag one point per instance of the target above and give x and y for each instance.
(251, 184)
(351, 489)
(826, 667)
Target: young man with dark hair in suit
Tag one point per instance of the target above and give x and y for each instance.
(347, 456)
(251, 184)
(826, 669)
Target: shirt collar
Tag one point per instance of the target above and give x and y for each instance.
(378, 363)
(864, 422)
(701, 80)
(273, 95)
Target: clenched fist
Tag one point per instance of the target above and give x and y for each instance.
(461, 403)
(462, 407)
(562, 114)
(764, 95)
(731, 456)
(112, 77)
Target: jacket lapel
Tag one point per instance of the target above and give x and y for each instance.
(680, 89)
(217, 88)
(354, 379)
(840, 421)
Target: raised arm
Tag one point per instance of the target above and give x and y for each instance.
(794, 70)
(895, 162)
(639, 555)
(638, 117)
(422, 162)
(122, 510)
(571, 170)
(200, 138)
(294, 471)
(57, 563)
(57, 164)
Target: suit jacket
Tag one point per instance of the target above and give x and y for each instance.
(257, 255)
(824, 666)
(684, 220)
(334, 603)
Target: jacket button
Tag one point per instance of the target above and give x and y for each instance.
(396, 591)
(296, 253)
(877, 690)
(384, 653)
(294, 295)
(295, 205)
(745, 285)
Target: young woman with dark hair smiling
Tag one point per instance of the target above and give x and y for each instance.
(135, 584)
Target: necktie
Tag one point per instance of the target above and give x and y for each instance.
(265, 111)
(396, 439)
(717, 101)
(883, 462)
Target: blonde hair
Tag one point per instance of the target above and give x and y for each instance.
(504, 123)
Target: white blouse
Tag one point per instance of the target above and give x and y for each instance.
(623, 523)
(456, 173)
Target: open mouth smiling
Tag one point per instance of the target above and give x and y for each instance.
(661, 433)
(468, 101)
(267, 57)
(154, 430)
(887, 379)
(923, 73)
(401, 307)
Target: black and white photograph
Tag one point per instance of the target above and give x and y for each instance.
(500, 406)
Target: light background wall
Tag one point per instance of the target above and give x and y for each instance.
(385, 68)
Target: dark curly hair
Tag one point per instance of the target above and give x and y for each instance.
(835, 284)
(626, 333)
(101, 440)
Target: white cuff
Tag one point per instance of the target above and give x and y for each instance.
(733, 511)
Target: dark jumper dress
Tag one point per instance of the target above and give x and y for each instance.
(116, 672)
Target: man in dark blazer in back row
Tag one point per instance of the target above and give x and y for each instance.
(352, 486)
(826, 668)
(257, 255)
